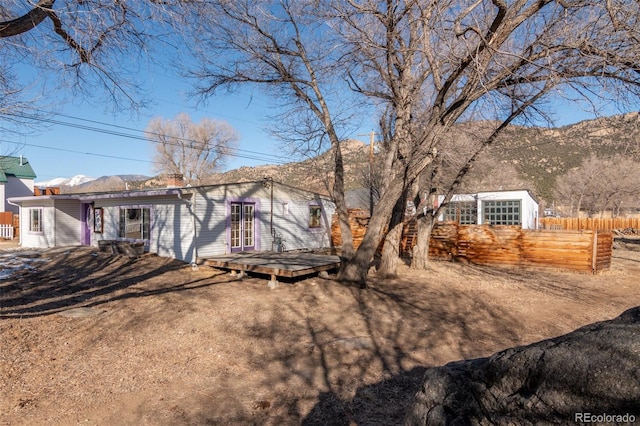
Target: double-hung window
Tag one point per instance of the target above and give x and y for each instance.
(35, 220)
(135, 223)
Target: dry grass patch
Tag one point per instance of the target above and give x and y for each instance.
(163, 344)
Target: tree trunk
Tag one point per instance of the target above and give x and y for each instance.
(341, 206)
(388, 267)
(579, 206)
(355, 270)
(420, 258)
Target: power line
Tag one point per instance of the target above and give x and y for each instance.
(277, 157)
(234, 152)
(78, 152)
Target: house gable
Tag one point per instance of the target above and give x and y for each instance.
(16, 180)
(18, 167)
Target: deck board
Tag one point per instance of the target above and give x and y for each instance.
(287, 264)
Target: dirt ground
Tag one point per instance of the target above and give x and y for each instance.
(159, 344)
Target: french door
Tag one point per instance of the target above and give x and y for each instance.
(243, 226)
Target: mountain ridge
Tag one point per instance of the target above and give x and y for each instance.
(538, 155)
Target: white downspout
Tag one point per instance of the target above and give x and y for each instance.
(19, 206)
(192, 207)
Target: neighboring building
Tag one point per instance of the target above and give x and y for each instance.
(16, 180)
(186, 223)
(518, 207)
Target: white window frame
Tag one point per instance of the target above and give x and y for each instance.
(39, 229)
(502, 212)
(463, 212)
(148, 227)
(312, 223)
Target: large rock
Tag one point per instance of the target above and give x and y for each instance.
(593, 371)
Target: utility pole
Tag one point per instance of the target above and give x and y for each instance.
(370, 174)
(371, 141)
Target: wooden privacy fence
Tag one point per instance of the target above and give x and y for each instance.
(589, 223)
(8, 225)
(587, 251)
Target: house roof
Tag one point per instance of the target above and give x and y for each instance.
(183, 191)
(533, 197)
(499, 191)
(15, 166)
(90, 196)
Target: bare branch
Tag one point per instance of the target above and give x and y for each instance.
(28, 21)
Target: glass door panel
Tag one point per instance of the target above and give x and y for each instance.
(248, 215)
(242, 226)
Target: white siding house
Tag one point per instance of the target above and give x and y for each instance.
(517, 207)
(187, 223)
(50, 220)
(16, 180)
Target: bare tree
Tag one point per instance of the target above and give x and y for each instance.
(503, 57)
(599, 185)
(195, 150)
(285, 47)
(83, 46)
(427, 65)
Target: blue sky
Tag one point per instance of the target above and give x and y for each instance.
(65, 151)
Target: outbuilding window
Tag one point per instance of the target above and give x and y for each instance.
(463, 212)
(503, 212)
(135, 223)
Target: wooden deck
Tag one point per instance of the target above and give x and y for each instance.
(288, 264)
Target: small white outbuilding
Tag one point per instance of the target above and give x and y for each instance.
(515, 207)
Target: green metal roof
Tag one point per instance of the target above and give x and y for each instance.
(15, 166)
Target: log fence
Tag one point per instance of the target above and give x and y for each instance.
(584, 250)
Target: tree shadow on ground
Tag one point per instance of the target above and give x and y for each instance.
(81, 277)
(381, 403)
(340, 355)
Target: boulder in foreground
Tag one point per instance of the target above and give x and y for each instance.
(590, 372)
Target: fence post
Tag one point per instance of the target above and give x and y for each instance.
(594, 255)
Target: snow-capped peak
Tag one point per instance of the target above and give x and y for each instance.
(72, 181)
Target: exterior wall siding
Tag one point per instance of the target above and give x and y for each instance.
(16, 187)
(211, 228)
(44, 239)
(291, 227)
(171, 225)
(67, 222)
(291, 223)
(3, 193)
(174, 218)
(529, 207)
